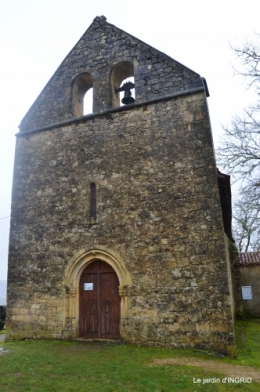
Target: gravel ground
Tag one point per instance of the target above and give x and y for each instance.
(224, 368)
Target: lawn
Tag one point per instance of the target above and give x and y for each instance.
(75, 366)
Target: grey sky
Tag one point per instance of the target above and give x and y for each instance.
(36, 35)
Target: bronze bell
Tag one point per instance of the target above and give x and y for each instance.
(128, 98)
(128, 95)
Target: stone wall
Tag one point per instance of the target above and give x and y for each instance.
(158, 209)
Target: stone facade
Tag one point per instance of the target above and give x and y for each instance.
(158, 221)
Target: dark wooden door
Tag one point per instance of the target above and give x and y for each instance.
(99, 304)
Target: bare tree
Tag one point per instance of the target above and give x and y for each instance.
(246, 229)
(240, 152)
(249, 57)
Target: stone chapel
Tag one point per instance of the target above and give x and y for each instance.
(116, 223)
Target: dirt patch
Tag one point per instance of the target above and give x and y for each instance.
(224, 368)
(3, 351)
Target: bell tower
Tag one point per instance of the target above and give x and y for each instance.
(126, 194)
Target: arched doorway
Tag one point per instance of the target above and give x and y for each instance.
(99, 302)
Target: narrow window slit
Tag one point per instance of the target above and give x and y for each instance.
(93, 203)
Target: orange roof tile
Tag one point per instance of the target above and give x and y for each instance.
(249, 258)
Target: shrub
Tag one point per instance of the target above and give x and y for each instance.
(2, 317)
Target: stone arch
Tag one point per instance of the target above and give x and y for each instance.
(80, 86)
(119, 72)
(72, 277)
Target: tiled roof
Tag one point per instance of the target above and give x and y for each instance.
(249, 258)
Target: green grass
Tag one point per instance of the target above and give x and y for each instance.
(82, 367)
(248, 343)
(2, 332)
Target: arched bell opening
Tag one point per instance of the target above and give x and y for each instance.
(99, 302)
(122, 84)
(82, 94)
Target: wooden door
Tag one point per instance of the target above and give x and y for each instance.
(99, 304)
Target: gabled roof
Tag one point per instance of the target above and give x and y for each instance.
(100, 48)
(101, 22)
(250, 258)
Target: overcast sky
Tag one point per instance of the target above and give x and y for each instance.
(36, 35)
